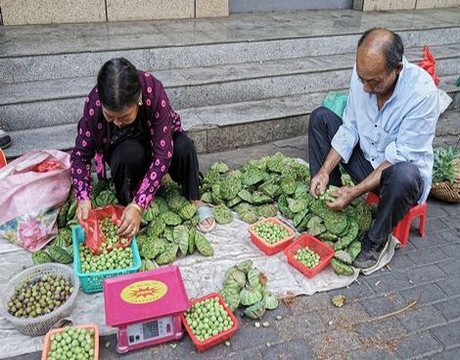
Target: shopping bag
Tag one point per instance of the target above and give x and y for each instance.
(336, 102)
(94, 237)
(429, 64)
(33, 188)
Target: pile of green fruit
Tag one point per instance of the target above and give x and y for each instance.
(308, 257)
(40, 296)
(246, 285)
(271, 232)
(72, 343)
(112, 256)
(208, 318)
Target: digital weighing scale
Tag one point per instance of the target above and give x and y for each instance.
(146, 307)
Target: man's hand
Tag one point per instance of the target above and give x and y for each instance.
(83, 209)
(344, 196)
(318, 184)
(130, 221)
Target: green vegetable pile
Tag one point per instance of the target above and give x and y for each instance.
(72, 343)
(246, 285)
(307, 257)
(40, 296)
(208, 318)
(270, 232)
(446, 166)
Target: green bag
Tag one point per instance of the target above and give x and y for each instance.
(336, 102)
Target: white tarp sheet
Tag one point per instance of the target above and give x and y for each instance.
(200, 275)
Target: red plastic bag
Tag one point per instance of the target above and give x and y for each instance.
(429, 64)
(94, 236)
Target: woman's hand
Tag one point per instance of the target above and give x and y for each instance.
(130, 221)
(83, 209)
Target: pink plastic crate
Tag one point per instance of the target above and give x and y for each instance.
(324, 251)
(267, 248)
(212, 341)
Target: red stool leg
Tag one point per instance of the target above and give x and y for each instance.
(401, 230)
(424, 209)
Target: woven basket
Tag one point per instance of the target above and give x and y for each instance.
(446, 191)
(41, 324)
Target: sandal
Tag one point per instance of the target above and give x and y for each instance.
(205, 212)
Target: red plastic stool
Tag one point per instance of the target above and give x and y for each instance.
(2, 159)
(401, 230)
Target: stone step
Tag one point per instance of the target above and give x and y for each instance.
(228, 126)
(58, 102)
(33, 53)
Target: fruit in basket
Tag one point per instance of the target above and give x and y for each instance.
(208, 318)
(40, 296)
(308, 257)
(72, 343)
(271, 232)
(116, 258)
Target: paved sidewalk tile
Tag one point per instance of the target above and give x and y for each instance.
(450, 286)
(427, 256)
(421, 318)
(289, 350)
(448, 334)
(339, 339)
(450, 308)
(299, 326)
(371, 353)
(384, 304)
(357, 290)
(424, 294)
(388, 282)
(444, 236)
(422, 344)
(451, 354)
(354, 314)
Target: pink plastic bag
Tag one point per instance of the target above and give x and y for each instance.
(33, 188)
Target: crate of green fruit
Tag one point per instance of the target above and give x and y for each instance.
(38, 297)
(93, 269)
(271, 235)
(209, 321)
(309, 255)
(72, 342)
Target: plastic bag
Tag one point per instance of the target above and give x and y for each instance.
(429, 64)
(30, 200)
(94, 236)
(336, 102)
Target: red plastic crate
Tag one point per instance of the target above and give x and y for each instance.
(47, 343)
(324, 251)
(212, 341)
(271, 249)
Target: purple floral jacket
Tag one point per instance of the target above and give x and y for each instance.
(161, 121)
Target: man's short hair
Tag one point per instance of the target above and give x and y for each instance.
(393, 50)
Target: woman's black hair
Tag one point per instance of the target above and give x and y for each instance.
(393, 49)
(118, 84)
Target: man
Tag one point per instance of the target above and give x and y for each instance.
(5, 139)
(384, 140)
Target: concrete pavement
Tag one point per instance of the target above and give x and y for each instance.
(410, 309)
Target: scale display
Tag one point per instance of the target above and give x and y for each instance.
(155, 329)
(146, 307)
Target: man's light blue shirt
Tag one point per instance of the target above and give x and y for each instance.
(402, 130)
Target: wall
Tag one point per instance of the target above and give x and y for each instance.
(381, 5)
(22, 12)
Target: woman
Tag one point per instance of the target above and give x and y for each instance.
(129, 124)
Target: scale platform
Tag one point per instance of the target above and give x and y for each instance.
(146, 307)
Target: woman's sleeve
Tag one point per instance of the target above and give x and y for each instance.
(82, 155)
(161, 127)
